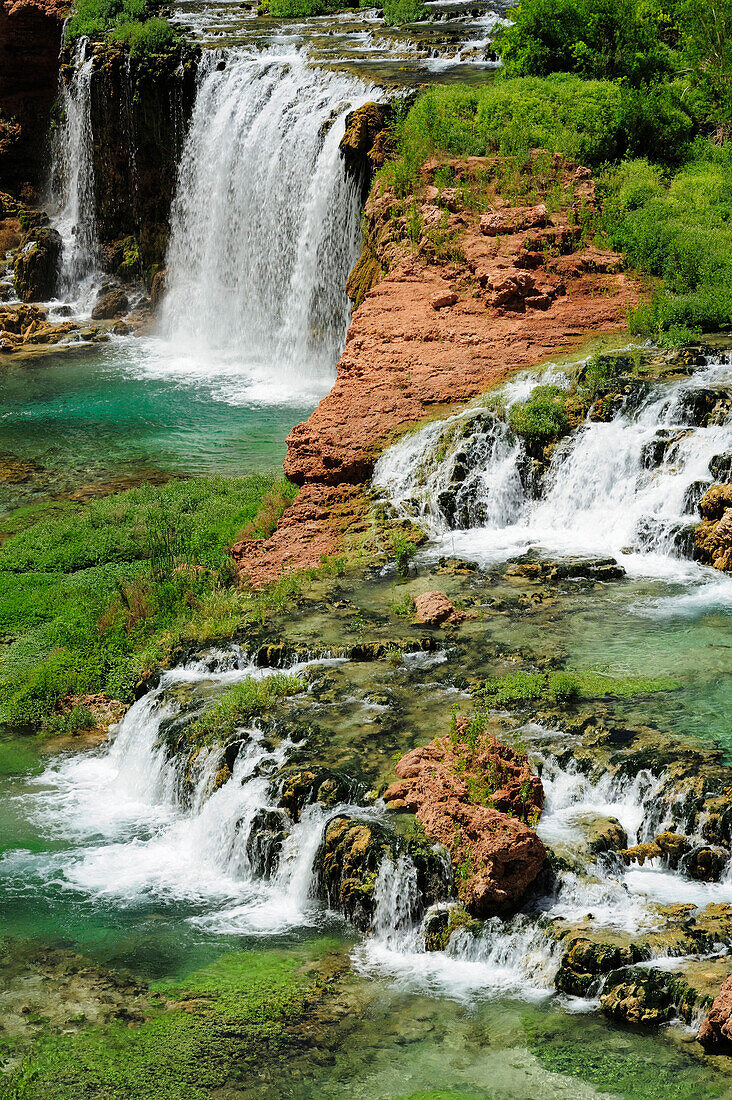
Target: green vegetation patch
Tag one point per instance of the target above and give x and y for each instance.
(679, 229)
(132, 23)
(543, 417)
(210, 1032)
(241, 703)
(94, 596)
(565, 687)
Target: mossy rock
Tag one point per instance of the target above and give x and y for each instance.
(37, 265)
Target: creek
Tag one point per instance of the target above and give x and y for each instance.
(146, 859)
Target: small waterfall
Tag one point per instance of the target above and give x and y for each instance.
(627, 487)
(265, 222)
(72, 182)
(398, 904)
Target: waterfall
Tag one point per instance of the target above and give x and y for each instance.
(72, 182)
(628, 486)
(265, 221)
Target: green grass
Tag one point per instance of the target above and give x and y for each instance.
(241, 703)
(132, 23)
(543, 417)
(562, 688)
(679, 229)
(93, 596)
(398, 12)
(210, 1031)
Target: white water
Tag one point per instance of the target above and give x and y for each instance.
(519, 957)
(265, 228)
(132, 835)
(599, 496)
(72, 176)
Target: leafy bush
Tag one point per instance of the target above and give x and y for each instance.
(678, 229)
(563, 688)
(152, 36)
(404, 551)
(92, 596)
(543, 417)
(601, 39)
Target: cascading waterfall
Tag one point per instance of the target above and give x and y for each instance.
(72, 181)
(265, 222)
(145, 824)
(628, 486)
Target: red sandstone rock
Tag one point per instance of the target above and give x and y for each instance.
(513, 221)
(499, 856)
(715, 1033)
(434, 609)
(440, 301)
(403, 357)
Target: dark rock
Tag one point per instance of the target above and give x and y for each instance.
(267, 834)
(37, 266)
(347, 865)
(702, 407)
(720, 467)
(111, 304)
(585, 961)
(301, 787)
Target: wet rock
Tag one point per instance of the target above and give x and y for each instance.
(111, 304)
(37, 265)
(462, 795)
(585, 961)
(713, 536)
(673, 846)
(706, 863)
(347, 865)
(702, 407)
(267, 834)
(434, 609)
(642, 996)
(594, 569)
(302, 787)
(604, 834)
(158, 287)
(366, 141)
(693, 496)
(720, 467)
(434, 927)
(715, 1033)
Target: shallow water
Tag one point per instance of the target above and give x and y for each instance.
(132, 408)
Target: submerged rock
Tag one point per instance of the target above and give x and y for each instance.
(434, 609)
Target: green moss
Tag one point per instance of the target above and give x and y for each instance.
(209, 1031)
(565, 687)
(241, 703)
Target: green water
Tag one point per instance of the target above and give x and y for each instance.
(128, 409)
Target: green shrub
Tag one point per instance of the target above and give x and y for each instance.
(678, 229)
(131, 23)
(601, 39)
(152, 36)
(404, 551)
(563, 688)
(398, 12)
(543, 417)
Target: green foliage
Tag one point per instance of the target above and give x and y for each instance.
(678, 229)
(241, 703)
(601, 39)
(93, 596)
(302, 9)
(404, 550)
(515, 687)
(398, 12)
(563, 688)
(131, 23)
(542, 418)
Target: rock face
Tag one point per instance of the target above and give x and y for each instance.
(365, 144)
(713, 536)
(463, 793)
(111, 304)
(519, 297)
(715, 1033)
(37, 265)
(21, 326)
(30, 40)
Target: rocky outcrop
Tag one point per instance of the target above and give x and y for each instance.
(715, 1033)
(404, 357)
(474, 796)
(110, 304)
(23, 326)
(713, 536)
(37, 265)
(366, 142)
(140, 109)
(30, 40)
